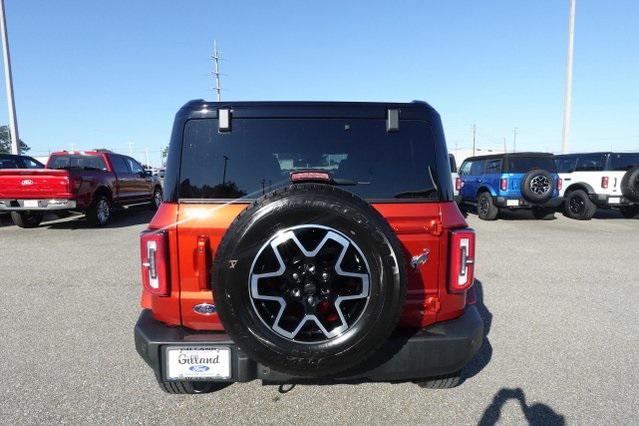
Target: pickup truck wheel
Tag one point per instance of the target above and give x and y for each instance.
(486, 208)
(441, 382)
(309, 280)
(99, 213)
(191, 388)
(544, 213)
(27, 219)
(578, 205)
(157, 198)
(630, 212)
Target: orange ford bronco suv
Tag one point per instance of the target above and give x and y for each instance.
(306, 242)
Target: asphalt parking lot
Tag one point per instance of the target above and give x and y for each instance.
(559, 298)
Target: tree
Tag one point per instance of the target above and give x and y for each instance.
(165, 153)
(5, 141)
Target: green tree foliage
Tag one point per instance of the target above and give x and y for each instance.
(5, 141)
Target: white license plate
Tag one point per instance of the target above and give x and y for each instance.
(30, 203)
(614, 200)
(198, 362)
(512, 203)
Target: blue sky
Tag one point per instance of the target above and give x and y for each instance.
(105, 73)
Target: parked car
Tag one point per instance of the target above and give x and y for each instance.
(599, 179)
(13, 161)
(320, 244)
(92, 182)
(526, 180)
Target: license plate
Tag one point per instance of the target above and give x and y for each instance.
(512, 203)
(31, 203)
(198, 362)
(614, 200)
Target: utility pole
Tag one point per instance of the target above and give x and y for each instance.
(8, 82)
(131, 148)
(505, 146)
(474, 137)
(568, 88)
(146, 155)
(216, 72)
(515, 139)
(226, 159)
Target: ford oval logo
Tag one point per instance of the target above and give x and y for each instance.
(205, 308)
(26, 182)
(199, 368)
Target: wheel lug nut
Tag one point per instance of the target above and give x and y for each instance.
(296, 276)
(310, 300)
(296, 293)
(325, 276)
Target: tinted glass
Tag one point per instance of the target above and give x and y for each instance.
(88, 162)
(465, 168)
(120, 166)
(624, 161)
(493, 166)
(31, 163)
(8, 162)
(591, 163)
(453, 163)
(258, 155)
(566, 164)
(526, 164)
(135, 167)
(477, 167)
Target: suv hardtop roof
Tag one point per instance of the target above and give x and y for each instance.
(596, 153)
(509, 155)
(416, 110)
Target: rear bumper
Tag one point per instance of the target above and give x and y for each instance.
(609, 200)
(49, 204)
(440, 349)
(521, 203)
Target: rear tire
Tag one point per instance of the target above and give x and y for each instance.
(191, 388)
(579, 206)
(486, 208)
(157, 198)
(544, 213)
(100, 211)
(27, 219)
(441, 382)
(630, 212)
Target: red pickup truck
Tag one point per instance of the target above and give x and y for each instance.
(92, 182)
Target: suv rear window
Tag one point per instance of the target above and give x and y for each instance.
(88, 162)
(259, 154)
(621, 162)
(526, 164)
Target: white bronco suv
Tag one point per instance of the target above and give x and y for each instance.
(599, 180)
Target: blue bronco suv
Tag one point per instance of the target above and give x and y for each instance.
(523, 180)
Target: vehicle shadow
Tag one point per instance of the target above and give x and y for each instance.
(121, 218)
(485, 353)
(536, 414)
(608, 214)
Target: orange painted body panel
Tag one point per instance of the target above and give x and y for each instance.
(419, 227)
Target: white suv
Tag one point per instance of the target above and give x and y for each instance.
(599, 180)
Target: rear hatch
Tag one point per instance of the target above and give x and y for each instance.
(34, 183)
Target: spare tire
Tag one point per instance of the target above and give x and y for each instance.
(630, 184)
(537, 186)
(309, 280)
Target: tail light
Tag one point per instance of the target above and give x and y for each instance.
(462, 260)
(560, 184)
(458, 184)
(154, 256)
(604, 182)
(503, 184)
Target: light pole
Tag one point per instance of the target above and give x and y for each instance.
(568, 89)
(8, 82)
